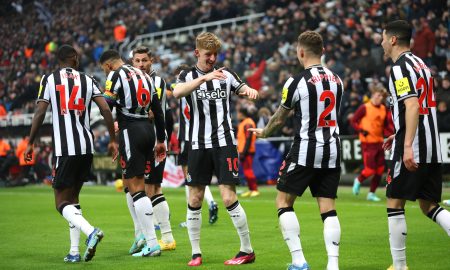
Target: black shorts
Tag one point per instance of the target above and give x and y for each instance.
(183, 155)
(425, 183)
(221, 161)
(154, 174)
(70, 171)
(136, 143)
(294, 179)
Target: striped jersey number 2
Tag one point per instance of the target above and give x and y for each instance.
(427, 93)
(141, 92)
(327, 94)
(75, 105)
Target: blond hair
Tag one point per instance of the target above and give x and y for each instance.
(208, 41)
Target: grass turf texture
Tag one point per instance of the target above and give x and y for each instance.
(35, 236)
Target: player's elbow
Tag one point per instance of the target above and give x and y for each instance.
(177, 92)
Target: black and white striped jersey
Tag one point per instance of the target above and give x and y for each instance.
(315, 95)
(410, 77)
(161, 90)
(70, 94)
(130, 90)
(210, 121)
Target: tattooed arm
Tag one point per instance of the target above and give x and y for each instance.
(275, 123)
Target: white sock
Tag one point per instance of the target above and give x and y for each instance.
(74, 236)
(332, 237)
(73, 215)
(290, 228)
(397, 237)
(441, 217)
(194, 224)
(239, 219)
(144, 213)
(162, 215)
(130, 204)
(208, 196)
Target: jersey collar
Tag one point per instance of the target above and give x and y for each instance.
(401, 55)
(152, 72)
(202, 72)
(314, 66)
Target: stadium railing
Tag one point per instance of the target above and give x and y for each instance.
(178, 33)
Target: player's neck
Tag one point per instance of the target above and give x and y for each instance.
(397, 51)
(309, 62)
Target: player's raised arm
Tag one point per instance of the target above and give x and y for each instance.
(183, 89)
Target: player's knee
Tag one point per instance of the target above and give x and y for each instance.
(195, 201)
(229, 199)
(426, 206)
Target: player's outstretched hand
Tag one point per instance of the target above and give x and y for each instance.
(249, 92)
(408, 159)
(113, 149)
(160, 152)
(28, 154)
(216, 74)
(257, 131)
(387, 145)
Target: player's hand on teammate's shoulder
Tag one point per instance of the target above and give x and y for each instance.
(113, 150)
(249, 92)
(216, 75)
(160, 152)
(257, 131)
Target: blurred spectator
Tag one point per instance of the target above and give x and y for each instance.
(423, 45)
(443, 117)
(25, 167)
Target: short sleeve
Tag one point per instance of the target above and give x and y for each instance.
(235, 82)
(112, 85)
(288, 94)
(402, 82)
(96, 92)
(43, 94)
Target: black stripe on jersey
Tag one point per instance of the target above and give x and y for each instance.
(399, 137)
(311, 149)
(226, 126)
(326, 131)
(86, 112)
(61, 123)
(73, 118)
(213, 116)
(182, 124)
(236, 77)
(295, 149)
(132, 88)
(201, 118)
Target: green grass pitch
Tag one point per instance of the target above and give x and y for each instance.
(34, 236)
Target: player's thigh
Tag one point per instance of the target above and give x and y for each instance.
(401, 183)
(71, 171)
(325, 183)
(134, 148)
(154, 172)
(200, 167)
(294, 178)
(226, 165)
(431, 182)
(182, 159)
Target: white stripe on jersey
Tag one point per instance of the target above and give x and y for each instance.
(127, 144)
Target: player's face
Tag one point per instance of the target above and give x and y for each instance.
(377, 98)
(206, 59)
(142, 61)
(386, 44)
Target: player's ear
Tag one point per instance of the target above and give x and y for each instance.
(196, 53)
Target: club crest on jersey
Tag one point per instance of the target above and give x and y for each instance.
(402, 86)
(217, 93)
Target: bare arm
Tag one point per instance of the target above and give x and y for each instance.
(275, 123)
(107, 115)
(38, 118)
(186, 88)
(411, 122)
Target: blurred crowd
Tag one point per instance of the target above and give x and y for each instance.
(262, 52)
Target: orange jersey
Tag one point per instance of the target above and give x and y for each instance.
(4, 148)
(21, 148)
(243, 134)
(372, 119)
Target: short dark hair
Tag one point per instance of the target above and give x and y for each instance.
(66, 52)
(108, 55)
(401, 29)
(312, 42)
(143, 49)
